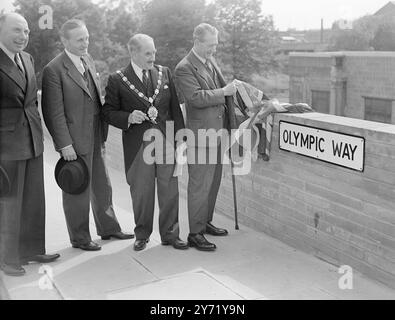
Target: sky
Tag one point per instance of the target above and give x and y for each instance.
(303, 14)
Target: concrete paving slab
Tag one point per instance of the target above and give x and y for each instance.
(84, 280)
(362, 289)
(311, 293)
(30, 286)
(196, 285)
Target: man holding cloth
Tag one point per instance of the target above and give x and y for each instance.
(208, 106)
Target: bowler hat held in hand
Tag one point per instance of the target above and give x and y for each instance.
(72, 176)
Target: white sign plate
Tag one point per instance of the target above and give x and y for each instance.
(329, 146)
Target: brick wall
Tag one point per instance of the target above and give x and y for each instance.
(339, 215)
(367, 74)
(308, 74)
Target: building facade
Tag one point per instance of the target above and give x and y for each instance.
(352, 84)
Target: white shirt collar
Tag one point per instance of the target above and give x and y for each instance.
(7, 52)
(137, 70)
(76, 61)
(203, 60)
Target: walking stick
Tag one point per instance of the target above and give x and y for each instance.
(234, 189)
(232, 169)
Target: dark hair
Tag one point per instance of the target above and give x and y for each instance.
(202, 29)
(70, 25)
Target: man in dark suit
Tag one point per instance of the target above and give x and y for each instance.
(141, 97)
(22, 209)
(71, 103)
(208, 106)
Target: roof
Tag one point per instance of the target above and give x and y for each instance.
(388, 9)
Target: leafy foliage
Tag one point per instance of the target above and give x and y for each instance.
(369, 32)
(247, 37)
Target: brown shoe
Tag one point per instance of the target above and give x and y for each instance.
(140, 244)
(214, 231)
(119, 235)
(12, 270)
(176, 243)
(200, 242)
(90, 246)
(41, 258)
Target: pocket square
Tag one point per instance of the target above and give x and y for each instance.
(165, 87)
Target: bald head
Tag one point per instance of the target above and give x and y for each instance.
(135, 43)
(142, 50)
(14, 32)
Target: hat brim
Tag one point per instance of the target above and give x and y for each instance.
(78, 189)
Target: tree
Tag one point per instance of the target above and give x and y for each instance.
(384, 38)
(109, 28)
(45, 44)
(247, 38)
(124, 20)
(171, 24)
(351, 40)
(369, 32)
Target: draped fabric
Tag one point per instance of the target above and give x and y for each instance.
(252, 112)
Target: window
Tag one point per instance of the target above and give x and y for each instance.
(320, 100)
(379, 110)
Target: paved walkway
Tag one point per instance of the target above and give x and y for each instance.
(246, 265)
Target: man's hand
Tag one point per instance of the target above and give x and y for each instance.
(68, 153)
(137, 117)
(230, 89)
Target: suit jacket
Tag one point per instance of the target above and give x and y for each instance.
(65, 97)
(21, 135)
(120, 101)
(206, 106)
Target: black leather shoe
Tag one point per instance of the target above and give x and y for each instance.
(140, 244)
(90, 246)
(41, 258)
(118, 235)
(200, 242)
(12, 270)
(214, 231)
(176, 243)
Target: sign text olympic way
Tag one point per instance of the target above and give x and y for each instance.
(333, 147)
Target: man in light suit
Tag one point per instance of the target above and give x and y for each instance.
(208, 103)
(131, 95)
(22, 209)
(71, 103)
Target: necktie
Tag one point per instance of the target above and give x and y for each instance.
(85, 68)
(18, 62)
(208, 66)
(145, 80)
(210, 70)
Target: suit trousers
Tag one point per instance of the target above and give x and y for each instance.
(22, 212)
(141, 177)
(98, 194)
(203, 186)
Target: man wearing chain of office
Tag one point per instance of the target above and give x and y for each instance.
(141, 97)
